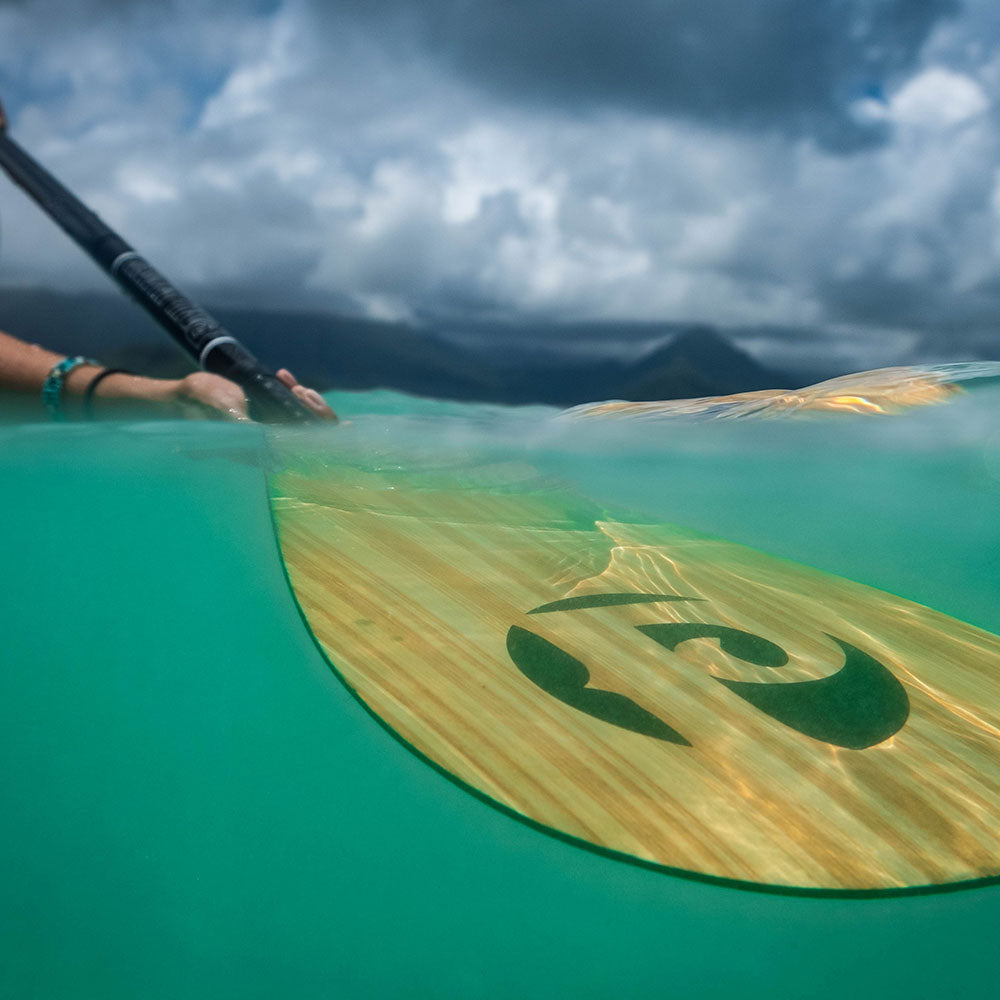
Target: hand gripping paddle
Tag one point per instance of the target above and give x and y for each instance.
(202, 336)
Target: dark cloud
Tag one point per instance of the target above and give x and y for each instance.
(778, 64)
(931, 307)
(650, 161)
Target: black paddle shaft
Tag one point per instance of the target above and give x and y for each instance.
(203, 337)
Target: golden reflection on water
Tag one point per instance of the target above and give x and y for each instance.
(880, 392)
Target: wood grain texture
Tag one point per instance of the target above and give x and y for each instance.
(420, 599)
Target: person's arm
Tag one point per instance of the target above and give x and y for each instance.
(25, 367)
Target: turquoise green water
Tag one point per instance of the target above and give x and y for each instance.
(194, 807)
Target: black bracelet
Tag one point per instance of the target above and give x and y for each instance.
(88, 396)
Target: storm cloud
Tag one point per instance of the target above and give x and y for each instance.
(779, 64)
(764, 165)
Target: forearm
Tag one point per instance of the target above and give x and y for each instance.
(24, 368)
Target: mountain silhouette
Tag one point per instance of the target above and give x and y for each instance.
(699, 362)
(511, 363)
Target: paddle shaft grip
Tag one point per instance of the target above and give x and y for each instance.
(200, 334)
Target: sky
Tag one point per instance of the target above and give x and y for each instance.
(803, 173)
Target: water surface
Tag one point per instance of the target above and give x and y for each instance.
(194, 807)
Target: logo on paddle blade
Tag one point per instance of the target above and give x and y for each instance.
(859, 706)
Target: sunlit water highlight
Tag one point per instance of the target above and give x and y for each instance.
(194, 807)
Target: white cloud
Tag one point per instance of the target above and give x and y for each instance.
(483, 161)
(146, 184)
(303, 160)
(251, 87)
(937, 98)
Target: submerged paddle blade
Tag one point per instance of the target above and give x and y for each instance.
(673, 698)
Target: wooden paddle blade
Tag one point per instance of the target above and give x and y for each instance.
(679, 700)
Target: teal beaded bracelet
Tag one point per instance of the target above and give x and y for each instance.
(52, 390)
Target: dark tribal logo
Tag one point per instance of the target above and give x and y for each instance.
(859, 706)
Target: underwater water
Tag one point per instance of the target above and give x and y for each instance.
(193, 805)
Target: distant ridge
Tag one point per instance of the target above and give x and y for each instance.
(700, 362)
(342, 352)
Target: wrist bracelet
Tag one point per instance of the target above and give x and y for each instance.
(53, 387)
(88, 396)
